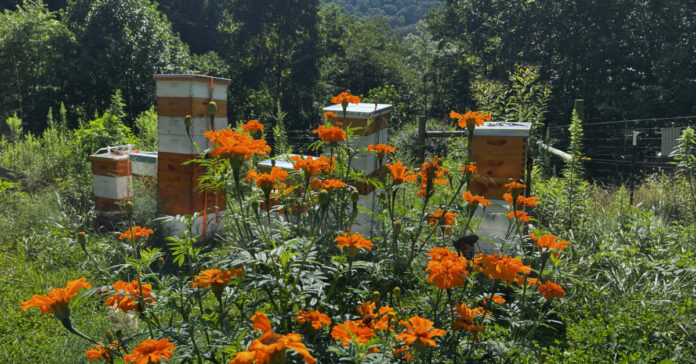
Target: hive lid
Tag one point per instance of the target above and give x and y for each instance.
(360, 110)
(143, 156)
(497, 128)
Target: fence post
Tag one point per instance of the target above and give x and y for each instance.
(421, 139)
(633, 164)
(580, 108)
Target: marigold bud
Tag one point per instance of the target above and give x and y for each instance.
(128, 208)
(397, 227)
(187, 122)
(212, 108)
(397, 292)
(354, 196)
(323, 197)
(376, 296)
(82, 239)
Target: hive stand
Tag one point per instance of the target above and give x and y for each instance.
(177, 184)
(499, 151)
(371, 122)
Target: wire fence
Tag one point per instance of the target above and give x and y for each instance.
(615, 157)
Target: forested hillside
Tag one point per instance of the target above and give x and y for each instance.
(401, 15)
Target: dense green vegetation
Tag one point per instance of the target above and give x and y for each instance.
(401, 16)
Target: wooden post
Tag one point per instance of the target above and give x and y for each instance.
(580, 108)
(421, 140)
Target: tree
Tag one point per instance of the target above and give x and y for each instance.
(271, 47)
(122, 43)
(33, 59)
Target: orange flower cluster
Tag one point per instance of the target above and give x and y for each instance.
(330, 115)
(399, 174)
(465, 319)
(352, 330)
(445, 219)
(312, 166)
(403, 354)
(237, 146)
(345, 97)
(101, 352)
(332, 134)
(381, 150)
(530, 201)
(469, 169)
(550, 290)
(506, 269)
(252, 127)
(470, 119)
(497, 299)
(475, 200)
(127, 297)
(267, 181)
(430, 173)
(376, 321)
(520, 215)
(215, 279)
(419, 332)
(151, 352)
(514, 186)
(548, 241)
(57, 300)
(270, 347)
(353, 241)
(327, 184)
(313, 318)
(447, 268)
(135, 233)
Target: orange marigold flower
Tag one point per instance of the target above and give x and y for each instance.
(445, 219)
(530, 201)
(353, 242)
(403, 353)
(514, 186)
(548, 241)
(550, 290)
(330, 184)
(100, 352)
(419, 332)
(151, 352)
(475, 200)
(350, 331)
(237, 146)
(330, 115)
(506, 269)
(332, 134)
(58, 299)
(399, 174)
(447, 268)
(314, 318)
(215, 279)
(267, 181)
(520, 215)
(270, 347)
(469, 169)
(252, 127)
(498, 299)
(344, 98)
(470, 119)
(465, 319)
(381, 150)
(311, 166)
(127, 295)
(431, 173)
(376, 321)
(135, 232)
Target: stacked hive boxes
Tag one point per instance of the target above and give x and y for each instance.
(371, 122)
(177, 184)
(111, 177)
(499, 151)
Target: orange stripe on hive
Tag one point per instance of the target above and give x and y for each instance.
(182, 106)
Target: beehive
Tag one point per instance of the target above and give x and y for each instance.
(111, 178)
(177, 184)
(371, 123)
(499, 151)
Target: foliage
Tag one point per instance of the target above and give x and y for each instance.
(401, 15)
(685, 157)
(146, 124)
